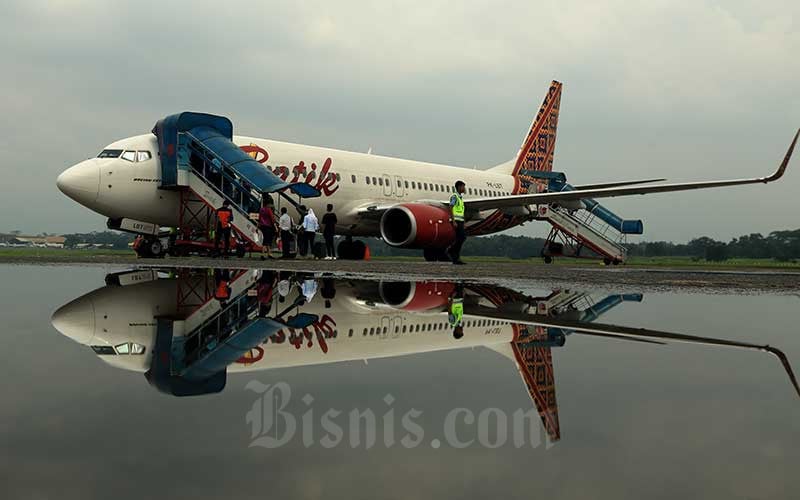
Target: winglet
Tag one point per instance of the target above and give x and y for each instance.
(782, 357)
(782, 167)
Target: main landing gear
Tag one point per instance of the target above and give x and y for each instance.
(351, 250)
(436, 255)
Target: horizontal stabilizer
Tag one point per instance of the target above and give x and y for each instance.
(602, 185)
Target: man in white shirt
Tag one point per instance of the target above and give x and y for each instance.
(310, 228)
(285, 225)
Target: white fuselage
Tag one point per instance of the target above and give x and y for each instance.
(115, 315)
(117, 188)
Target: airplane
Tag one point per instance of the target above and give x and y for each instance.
(187, 329)
(176, 176)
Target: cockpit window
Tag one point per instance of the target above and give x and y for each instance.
(129, 155)
(129, 348)
(103, 350)
(142, 155)
(110, 153)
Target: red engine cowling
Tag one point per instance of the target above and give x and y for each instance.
(416, 225)
(416, 296)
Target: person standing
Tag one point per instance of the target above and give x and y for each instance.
(309, 229)
(285, 225)
(455, 311)
(329, 221)
(457, 211)
(224, 222)
(266, 223)
(302, 246)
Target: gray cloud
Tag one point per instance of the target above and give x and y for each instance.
(686, 90)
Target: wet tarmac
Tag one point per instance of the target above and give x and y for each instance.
(207, 382)
(745, 280)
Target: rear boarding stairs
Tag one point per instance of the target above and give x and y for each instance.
(584, 231)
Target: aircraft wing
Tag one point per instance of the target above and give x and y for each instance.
(476, 205)
(628, 333)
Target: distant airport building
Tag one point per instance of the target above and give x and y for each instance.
(15, 240)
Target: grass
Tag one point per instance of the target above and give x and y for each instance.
(60, 253)
(632, 262)
(66, 255)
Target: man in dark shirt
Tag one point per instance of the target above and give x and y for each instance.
(328, 231)
(223, 233)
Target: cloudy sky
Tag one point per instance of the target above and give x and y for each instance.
(687, 90)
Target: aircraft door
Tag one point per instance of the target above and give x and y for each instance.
(387, 185)
(399, 186)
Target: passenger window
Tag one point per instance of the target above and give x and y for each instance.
(338, 177)
(142, 155)
(413, 185)
(353, 178)
(380, 181)
(406, 184)
(368, 181)
(436, 187)
(374, 181)
(469, 190)
(129, 155)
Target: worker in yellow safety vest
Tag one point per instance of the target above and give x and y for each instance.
(455, 312)
(457, 210)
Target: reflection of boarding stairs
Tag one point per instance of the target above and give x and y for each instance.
(575, 232)
(191, 358)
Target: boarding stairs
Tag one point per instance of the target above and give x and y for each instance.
(576, 231)
(199, 159)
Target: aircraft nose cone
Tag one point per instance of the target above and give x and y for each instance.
(76, 320)
(80, 182)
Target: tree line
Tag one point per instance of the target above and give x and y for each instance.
(778, 245)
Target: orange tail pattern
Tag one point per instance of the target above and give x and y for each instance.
(537, 150)
(536, 366)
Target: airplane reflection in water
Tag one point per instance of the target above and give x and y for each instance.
(187, 328)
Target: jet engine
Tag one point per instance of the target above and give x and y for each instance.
(416, 296)
(417, 225)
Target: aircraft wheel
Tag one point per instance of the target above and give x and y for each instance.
(153, 248)
(359, 249)
(616, 262)
(345, 250)
(318, 250)
(436, 255)
(607, 261)
(429, 255)
(548, 259)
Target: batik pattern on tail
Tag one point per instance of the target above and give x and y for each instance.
(535, 154)
(536, 367)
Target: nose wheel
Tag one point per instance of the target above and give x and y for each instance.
(149, 248)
